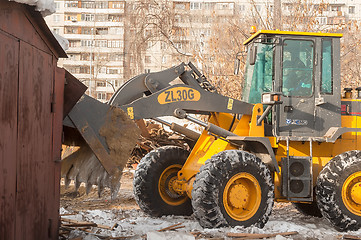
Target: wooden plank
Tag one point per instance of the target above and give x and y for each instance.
(258, 236)
(35, 199)
(170, 227)
(8, 128)
(351, 237)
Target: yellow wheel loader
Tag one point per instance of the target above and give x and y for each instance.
(290, 139)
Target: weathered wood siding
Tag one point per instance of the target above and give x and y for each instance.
(31, 100)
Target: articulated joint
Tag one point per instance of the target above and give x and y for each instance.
(182, 187)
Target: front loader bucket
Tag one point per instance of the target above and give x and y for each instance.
(106, 137)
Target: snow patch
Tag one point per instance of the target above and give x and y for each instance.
(46, 7)
(169, 236)
(135, 224)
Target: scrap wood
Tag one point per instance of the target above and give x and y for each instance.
(195, 233)
(351, 237)
(172, 227)
(145, 147)
(257, 236)
(75, 223)
(68, 214)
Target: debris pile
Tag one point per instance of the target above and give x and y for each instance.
(73, 229)
(155, 136)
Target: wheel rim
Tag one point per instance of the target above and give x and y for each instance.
(165, 186)
(242, 196)
(351, 193)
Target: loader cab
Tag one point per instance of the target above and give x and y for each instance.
(305, 69)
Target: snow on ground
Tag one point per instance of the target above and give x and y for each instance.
(135, 224)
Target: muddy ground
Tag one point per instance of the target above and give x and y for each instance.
(80, 201)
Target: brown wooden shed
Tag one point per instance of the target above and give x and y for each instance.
(31, 106)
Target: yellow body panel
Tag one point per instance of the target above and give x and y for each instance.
(209, 145)
(277, 32)
(206, 146)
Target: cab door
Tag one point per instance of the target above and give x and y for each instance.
(296, 115)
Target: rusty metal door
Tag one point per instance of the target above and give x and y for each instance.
(8, 129)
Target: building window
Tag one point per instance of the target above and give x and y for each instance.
(57, 5)
(115, 57)
(335, 8)
(56, 31)
(351, 9)
(71, 30)
(101, 43)
(101, 84)
(74, 43)
(101, 5)
(114, 44)
(208, 6)
(180, 6)
(149, 44)
(84, 56)
(113, 71)
(101, 17)
(195, 5)
(118, 5)
(85, 30)
(148, 59)
(114, 18)
(71, 4)
(84, 69)
(56, 18)
(242, 8)
(87, 17)
(101, 96)
(321, 20)
(116, 31)
(86, 4)
(164, 59)
(163, 45)
(87, 43)
(179, 46)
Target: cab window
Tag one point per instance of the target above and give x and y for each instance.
(297, 63)
(326, 79)
(259, 76)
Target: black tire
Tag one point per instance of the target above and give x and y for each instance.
(147, 192)
(330, 186)
(210, 187)
(308, 209)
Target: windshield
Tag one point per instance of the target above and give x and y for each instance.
(258, 77)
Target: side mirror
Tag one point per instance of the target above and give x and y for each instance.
(237, 63)
(252, 54)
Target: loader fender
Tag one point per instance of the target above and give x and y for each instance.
(259, 146)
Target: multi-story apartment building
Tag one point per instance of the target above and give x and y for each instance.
(95, 31)
(111, 41)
